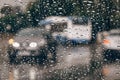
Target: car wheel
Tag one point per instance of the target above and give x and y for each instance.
(42, 58)
(12, 56)
(51, 54)
(13, 60)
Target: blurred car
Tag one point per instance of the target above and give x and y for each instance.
(110, 43)
(31, 44)
(69, 29)
(111, 71)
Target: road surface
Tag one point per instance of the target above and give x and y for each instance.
(73, 63)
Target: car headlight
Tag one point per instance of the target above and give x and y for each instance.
(16, 44)
(33, 44)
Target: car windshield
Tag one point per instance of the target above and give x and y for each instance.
(58, 27)
(80, 21)
(34, 32)
(115, 34)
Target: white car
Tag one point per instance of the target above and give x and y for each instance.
(81, 29)
(111, 44)
(69, 29)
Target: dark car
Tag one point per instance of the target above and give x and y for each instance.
(32, 45)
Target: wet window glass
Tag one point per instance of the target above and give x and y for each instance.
(59, 39)
(58, 27)
(80, 21)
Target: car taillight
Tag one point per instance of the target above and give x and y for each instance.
(105, 71)
(106, 41)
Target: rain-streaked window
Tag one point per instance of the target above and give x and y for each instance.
(59, 40)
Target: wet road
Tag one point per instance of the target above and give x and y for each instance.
(70, 59)
(73, 63)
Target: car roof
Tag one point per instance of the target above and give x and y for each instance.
(79, 18)
(58, 19)
(53, 19)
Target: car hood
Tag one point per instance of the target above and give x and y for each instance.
(27, 39)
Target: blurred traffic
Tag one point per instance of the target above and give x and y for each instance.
(40, 45)
(60, 40)
(31, 44)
